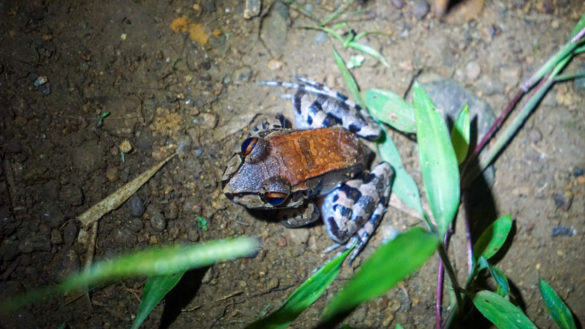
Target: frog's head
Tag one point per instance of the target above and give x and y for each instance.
(245, 178)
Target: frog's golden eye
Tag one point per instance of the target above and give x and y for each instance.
(275, 190)
(255, 149)
(248, 145)
(275, 198)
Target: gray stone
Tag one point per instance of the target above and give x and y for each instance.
(252, 8)
(420, 9)
(274, 28)
(136, 206)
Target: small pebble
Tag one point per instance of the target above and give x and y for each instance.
(420, 9)
(274, 65)
(281, 242)
(563, 230)
(207, 120)
(193, 231)
(242, 74)
(206, 65)
(136, 206)
(252, 8)
(562, 201)
(172, 211)
(472, 70)
(398, 4)
(125, 146)
(320, 37)
(157, 219)
(535, 135)
(113, 174)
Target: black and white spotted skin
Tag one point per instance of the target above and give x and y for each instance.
(353, 209)
(317, 105)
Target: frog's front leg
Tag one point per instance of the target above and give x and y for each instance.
(266, 123)
(300, 216)
(353, 211)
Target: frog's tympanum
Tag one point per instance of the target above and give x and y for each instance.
(285, 169)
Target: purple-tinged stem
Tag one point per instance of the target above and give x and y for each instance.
(440, 281)
(494, 127)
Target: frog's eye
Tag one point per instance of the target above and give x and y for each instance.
(255, 149)
(275, 198)
(248, 145)
(275, 190)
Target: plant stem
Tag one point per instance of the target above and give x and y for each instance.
(550, 64)
(511, 130)
(440, 281)
(451, 274)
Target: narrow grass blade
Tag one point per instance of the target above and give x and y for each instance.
(389, 264)
(370, 51)
(156, 261)
(557, 309)
(348, 78)
(501, 281)
(303, 296)
(460, 134)
(403, 185)
(580, 25)
(155, 289)
(437, 160)
(500, 311)
(388, 107)
(492, 238)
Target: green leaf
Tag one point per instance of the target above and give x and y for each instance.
(303, 296)
(155, 289)
(460, 134)
(388, 107)
(389, 264)
(500, 311)
(348, 78)
(579, 26)
(402, 185)
(398, 326)
(368, 50)
(556, 307)
(155, 261)
(493, 238)
(437, 160)
(501, 280)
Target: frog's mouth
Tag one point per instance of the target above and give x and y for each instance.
(248, 200)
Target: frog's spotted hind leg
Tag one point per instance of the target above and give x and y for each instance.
(318, 106)
(352, 212)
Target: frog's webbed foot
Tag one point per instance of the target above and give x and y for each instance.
(267, 122)
(318, 106)
(299, 217)
(353, 211)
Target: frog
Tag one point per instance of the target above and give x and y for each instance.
(319, 169)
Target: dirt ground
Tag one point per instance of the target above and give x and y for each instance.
(181, 75)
